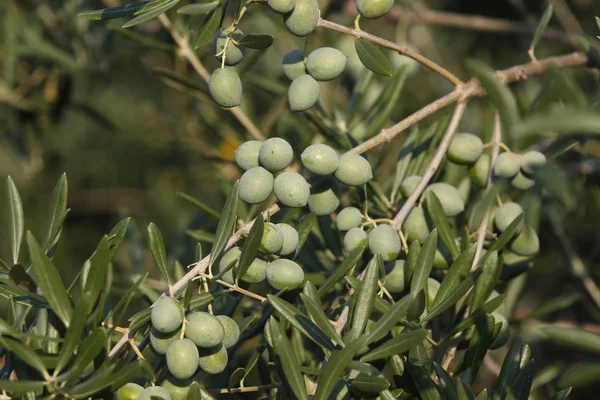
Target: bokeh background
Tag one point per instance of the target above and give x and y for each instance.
(83, 97)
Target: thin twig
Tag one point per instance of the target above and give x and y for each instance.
(392, 46)
(189, 54)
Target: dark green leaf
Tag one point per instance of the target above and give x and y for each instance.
(582, 374)
(139, 319)
(373, 58)
(142, 39)
(457, 272)
(196, 9)
(123, 304)
(579, 121)
(257, 42)
(487, 280)
(116, 237)
(203, 299)
(226, 224)
(380, 304)
(365, 297)
(250, 247)
(553, 305)
(304, 227)
(50, 281)
(203, 88)
(398, 345)
(73, 335)
(21, 278)
(487, 308)
(562, 395)
(447, 386)
(464, 392)
(157, 248)
(440, 222)
(114, 12)
(320, 319)
(482, 395)
(104, 379)
(504, 238)
(388, 320)
(480, 342)
(453, 297)
(210, 26)
(509, 371)
(56, 214)
(151, 13)
(424, 264)
(198, 393)
(341, 271)
(16, 221)
(520, 388)
(287, 357)
(370, 385)
(93, 344)
(94, 279)
(25, 354)
(20, 386)
(416, 308)
(541, 28)
(426, 387)
(414, 249)
(572, 336)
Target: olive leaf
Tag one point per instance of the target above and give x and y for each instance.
(372, 58)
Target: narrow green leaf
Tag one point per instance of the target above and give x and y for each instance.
(320, 319)
(139, 319)
(457, 272)
(210, 26)
(447, 386)
(93, 344)
(380, 304)
(73, 334)
(198, 9)
(487, 308)
(480, 342)
(304, 227)
(94, 280)
(509, 371)
(369, 385)
(552, 305)
(426, 387)
(404, 157)
(562, 395)
(198, 393)
(288, 360)
(341, 271)
(113, 12)
(365, 297)
(388, 320)
(203, 299)
(464, 392)
(203, 88)
(581, 374)
(541, 28)
(20, 387)
(25, 354)
(504, 238)
(398, 345)
(300, 321)
(416, 308)
(157, 248)
(226, 224)
(250, 247)
(424, 264)
(572, 336)
(482, 395)
(56, 214)
(16, 219)
(50, 281)
(123, 303)
(150, 14)
(373, 58)
(453, 297)
(116, 237)
(414, 249)
(579, 121)
(257, 42)
(142, 39)
(440, 222)
(521, 387)
(487, 281)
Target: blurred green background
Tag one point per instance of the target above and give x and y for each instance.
(81, 97)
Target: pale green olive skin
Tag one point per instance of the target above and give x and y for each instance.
(256, 272)
(256, 185)
(353, 170)
(233, 54)
(449, 196)
(246, 154)
(160, 342)
(522, 182)
(167, 315)
(384, 240)
(291, 189)
(232, 256)
(155, 393)
(232, 331)
(506, 214)
(290, 239)
(504, 334)
(182, 358)
(348, 218)
(177, 388)
(374, 8)
(275, 154)
(303, 19)
(532, 162)
(293, 64)
(204, 329)
(320, 159)
(409, 184)
(432, 288)
(395, 278)
(225, 87)
(282, 6)
(272, 239)
(129, 391)
(303, 93)
(465, 148)
(284, 274)
(214, 360)
(526, 243)
(480, 170)
(354, 238)
(415, 227)
(325, 196)
(325, 63)
(507, 165)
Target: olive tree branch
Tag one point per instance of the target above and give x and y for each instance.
(392, 46)
(189, 54)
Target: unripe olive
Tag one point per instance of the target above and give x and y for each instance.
(374, 8)
(160, 342)
(385, 240)
(291, 189)
(532, 162)
(167, 315)
(395, 278)
(256, 272)
(233, 54)
(225, 87)
(182, 358)
(353, 170)
(293, 64)
(512, 258)
(303, 19)
(521, 182)
(348, 218)
(449, 196)
(354, 238)
(464, 189)
(214, 360)
(506, 214)
(284, 274)
(204, 329)
(275, 154)
(272, 239)
(232, 256)
(439, 260)
(415, 227)
(526, 243)
(246, 154)
(320, 159)
(325, 196)
(232, 330)
(155, 393)
(503, 334)
(480, 170)
(290, 239)
(409, 184)
(177, 388)
(432, 288)
(256, 185)
(325, 63)
(129, 391)
(303, 93)
(507, 164)
(282, 6)
(465, 148)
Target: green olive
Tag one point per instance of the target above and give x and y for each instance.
(503, 335)
(155, 393)
(233, 53)
(465, 148)
(384, 240)
(415, 227)
(507, 165)
(225, 87)
(214, 360)
(167, 315)
(348, 218)
(303, 19)
(409, 184)
(229, 260)
(480, 170)
(177, 388)
(291, 189)
(303, 93)
(374, 8)
(160, 342)
(526, 243)
(449, 196)
(326, 63)
(275, 154)
(256, 272)
(284, 274)
(204, 329)
(290, 239)
(246, 154)
(521, 182)
(506, 214)
(182, 358)
(232, 331)
(320, 159)
(354, 238)
(129, 391)
(325, 196)
(353, 170)
(282, 6)
(293, 64)
(272, 239)
(256, 185)
(532, 162)
(395, 278)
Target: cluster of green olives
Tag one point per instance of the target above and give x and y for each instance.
(300, 16)
(261, 159)
(225, 85)
(323, 64)
(526, 242)
(278, 239)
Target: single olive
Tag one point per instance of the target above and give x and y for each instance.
(282, 6)
(290, 239)
(395, 278)
(275, 154)
(284, 274)
(507, 165)
(214, 360)
(303, 93)
(293, 64)
(291, 189)
(506, 214)
(373, 8)
(325, 196)
(256, 185)
(167, 315)
(232, 331)
(246, 154)
(228, 261)
(256, 272)
(353, 170)
(320, 159)
(348, 218)
(522, 182)
(155, 393)
(233, 53)
(303, 19)
(225, 87)
(526, 243)
(272, 239)
(182, 358)
(160, 342)
(384, 240)
(415, 227)
(465, 148)
(532, 162)
(129, 391)
(449, 196)
(326, 63)
(480, 170)
(354, 238)
(409, 184)
(177, 388)
(204, 329)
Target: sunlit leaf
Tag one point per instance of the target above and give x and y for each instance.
(287, 357)
(541, 28)
(373, 58)
(157, 248)
(16, 219)
(226, 224)
(151, 13)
